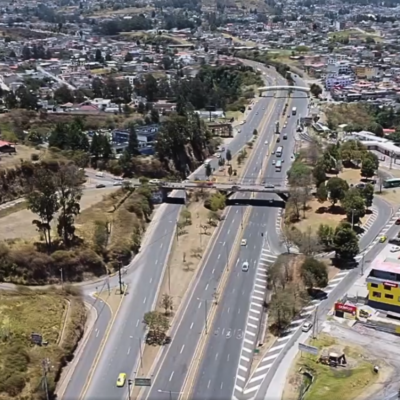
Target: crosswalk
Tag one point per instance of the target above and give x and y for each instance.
(253, 319)
(250, 388)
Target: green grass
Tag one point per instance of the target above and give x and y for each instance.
(354, 33)
(44, 312)
(337, 383)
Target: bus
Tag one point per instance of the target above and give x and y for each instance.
(278, 166)
(279, 151)
(391, 183)
(294, 111)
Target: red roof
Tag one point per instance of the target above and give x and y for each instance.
(3, 143)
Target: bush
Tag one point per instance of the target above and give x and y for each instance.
(35, 157)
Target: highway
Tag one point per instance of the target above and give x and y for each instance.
(172, 371)
(144, 275)
(216, 378)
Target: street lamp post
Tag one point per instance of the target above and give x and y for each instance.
(169, 392)
(206, 313)
(129, 388)
(62, 276)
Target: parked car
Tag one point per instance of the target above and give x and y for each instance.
(306, 327)
(100, 186)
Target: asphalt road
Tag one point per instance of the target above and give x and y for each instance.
(174, 367)
(217, 373)
(120, 353)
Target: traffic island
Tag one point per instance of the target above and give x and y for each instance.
(339, 371)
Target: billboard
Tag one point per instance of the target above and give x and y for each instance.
(347, 308)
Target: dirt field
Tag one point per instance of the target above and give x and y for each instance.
(19, 224)
(23, 153)
(23, 313)
(344, 383)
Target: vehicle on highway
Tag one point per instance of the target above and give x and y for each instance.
(154, 181)
(285, 124)
(273, 152)
(278, 166)
(306, 327)
(117, 183)
(243, 242)
(382, 239)
(99, 174)
(208, 161)
(100, 186)
(284, 136)
(269, 186)
(397, 221)
(121, 379)
(235, 187)
(394, 241)
(245, 266)
(266, 142)
(278, 140)
(279, 151)
(294, 111)
(273, 162)
(389, 183)
(118, 178)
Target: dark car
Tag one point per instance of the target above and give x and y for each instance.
(395, 241)
(100, 186)
(397, 221)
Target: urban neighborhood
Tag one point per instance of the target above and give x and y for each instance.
(200, 199)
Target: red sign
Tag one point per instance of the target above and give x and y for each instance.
(390, 284)
(345, 308)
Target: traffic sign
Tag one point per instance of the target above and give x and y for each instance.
(308, 349)
(142, 381)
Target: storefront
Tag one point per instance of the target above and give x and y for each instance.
(346, 311)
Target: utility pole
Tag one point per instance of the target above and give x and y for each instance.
(169, 278)
(129, 388)
(315, 324)
(362, 265)
(177, 232)
(120, 277)
(45, 369)
(352, 219)
(61, 276)
(241, 220)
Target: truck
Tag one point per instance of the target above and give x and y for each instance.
(277, 127)
(294, 111)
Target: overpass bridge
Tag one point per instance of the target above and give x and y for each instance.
(288, 88)
(229, 188)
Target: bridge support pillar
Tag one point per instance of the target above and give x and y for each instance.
(283, 196)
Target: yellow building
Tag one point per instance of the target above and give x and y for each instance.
(384, 285)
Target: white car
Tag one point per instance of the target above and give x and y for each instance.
(395, 249)
(118, 183)
(266, 143)
(154, 181)
(306, 327)
(245, 266)
(244, 242)
(273, 162)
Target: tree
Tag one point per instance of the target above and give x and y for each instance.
(208, 170)
(155, 116)
(42, 200)
(325, 235)
(230, 170)
(345, 241)
(128, 57)
(63, 95)
(368, 194)
(322, 193)
(315, 89)
(255, 132)
(106, 150)
(314, 273)
(68, 180)
(370, 164)
(354, 205)
(158, 325)
(98, 56)
(133, 143)
(319, 173)
(281, 309)
(309, 243)
(337, 189)
(167, 303)
(228, 156)
(150, 88)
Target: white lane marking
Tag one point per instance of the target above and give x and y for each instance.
(156, 262)
(129, 350)
(258, 378)
(245, 358)
(206, 287)
(227, 359)
(208, 384)
(229, 231)
(151, 280)
(282, 339)
(97, 334)
(240, 378)
(253, 318)
(265, 366)
(253, 389)
(242, 368)
(229, 309)
(219, 256)
(183, 346)
(144, 301)
(213, 271)
(280, 346)
(216, 356)
(137, 323)
(161, 245)
(252, 325)
(199, 305)
(172, 374)
(191, 325)
(238, 388)
(247, 350)
(250, 333)
(222, 385)
(257, 298)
